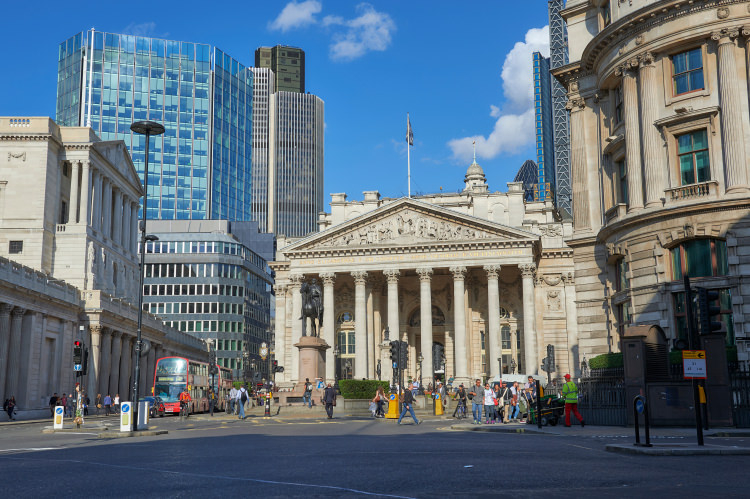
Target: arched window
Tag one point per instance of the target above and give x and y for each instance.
(345, 317)
(700, 258)
(438, 318)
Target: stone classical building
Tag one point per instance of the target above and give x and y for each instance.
(478, 277)
(660, 137)
(68, 268)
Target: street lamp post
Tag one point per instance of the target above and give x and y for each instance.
(147, 128)
(419, 361)
(500, 366)
(335, 367)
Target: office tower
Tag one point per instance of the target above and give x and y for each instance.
(287, 63)
(201, 167)
(210, 279)
(263, 81)
(529, 175)
(558, 51)
(545, 152)
(295, 183)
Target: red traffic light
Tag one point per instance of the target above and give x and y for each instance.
(77, 343)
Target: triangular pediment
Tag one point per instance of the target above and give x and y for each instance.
(116, 153)
(406, 222)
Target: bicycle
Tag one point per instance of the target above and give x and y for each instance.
(184, 411)
(461, 410)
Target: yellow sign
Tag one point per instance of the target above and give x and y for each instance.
(693, 354)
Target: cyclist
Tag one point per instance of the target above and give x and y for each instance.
(185, 399)
(461, 406)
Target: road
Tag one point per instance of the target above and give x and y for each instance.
(310, 457)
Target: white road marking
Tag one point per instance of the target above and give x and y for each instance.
(33, 449)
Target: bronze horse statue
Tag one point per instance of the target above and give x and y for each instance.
(312, 307)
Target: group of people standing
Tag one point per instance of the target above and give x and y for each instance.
(501, 402)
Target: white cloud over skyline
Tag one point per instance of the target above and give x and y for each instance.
(296, 15)
(514, 128)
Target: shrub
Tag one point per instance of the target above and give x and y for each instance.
(361, 388)
(606, 360)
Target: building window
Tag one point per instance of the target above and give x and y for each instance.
(505, 335)
(621, 275)
(687, 71)
(15, 247)
(483, 350)
(621, 169)
(63, 212)
(623, 317)
(618, 104)
(346, 344)
(700, 258)
(606, 14)
(725, 305)
(692, 156)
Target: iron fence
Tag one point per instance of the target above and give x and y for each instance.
(739, 381)
(601, 401)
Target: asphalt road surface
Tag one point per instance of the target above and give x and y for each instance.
(223, 457)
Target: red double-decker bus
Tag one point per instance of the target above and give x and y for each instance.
(174, 374)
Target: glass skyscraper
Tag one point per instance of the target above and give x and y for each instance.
(545, 147)
(201, 167)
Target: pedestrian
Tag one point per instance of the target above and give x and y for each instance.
(107, 405)
(329, 399)
(117, 403)
(72, 405)
(233, 400)
(408, 405)
(307, 394)
(570, 394)
(86, 402)
(443, 395)
(98, 402)
(476, 395)
(415, 391)
(515, 392)
(241, 400)
(379, 400)
(52, 404)
(530, 387)
(10, 407)
(211, 401)
(489, 403)
(63, 401)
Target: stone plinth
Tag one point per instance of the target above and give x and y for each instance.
(312, 358)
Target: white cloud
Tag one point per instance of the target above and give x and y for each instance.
(514, 128)
(371, 30)
(147, 29)
(296, 15)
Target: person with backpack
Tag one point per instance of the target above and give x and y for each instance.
(241, 401)
(307, 395)
(9, 407)
(408, 405)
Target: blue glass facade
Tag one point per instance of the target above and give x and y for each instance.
(108, 81)
(545, 151)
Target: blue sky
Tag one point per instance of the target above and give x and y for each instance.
(461, 69)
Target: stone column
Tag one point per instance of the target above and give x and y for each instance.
(529, 319)
(329, 324)
(632, 135)
(114, 378)
(126, 357)
(95, 360)
(459, 317)
(296, 282)
(360, 324)
(105, 367)
(653, 145)
(134, 227)
(571, 323)
(107, 218)
(14, 352)
(96, 208)
(125, 230)
(280, 325)
(85, 192)
(288, 328)
(4, 345)
(730, 101)
(73, 202)
(117, 225)
(581, 212)
(392, 276)
(425, 318)
(493, 320)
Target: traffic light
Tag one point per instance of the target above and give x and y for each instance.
(404, 360)
(275, 366)
(394, 351)
(708, 311)
(77, 353)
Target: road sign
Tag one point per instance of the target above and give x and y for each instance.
(694, 364)
(126, 421)
(639, 406)
(78, 367)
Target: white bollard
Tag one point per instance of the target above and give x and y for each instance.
(59, 416)
(126, 416)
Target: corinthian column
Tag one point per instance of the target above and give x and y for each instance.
(360, 324)
(329, 323)
(117, 230)
(114, 380)
(4, 342)
(732, 130)
(73, 202)
(493, 322)
(459, 319)
(581, 212)
(96, 361)
(529, 319)
(126, 358)
(85, 192)
(632, 135)
(14, 352)
(571, 323)
(105, 367)
(296, 283)
(280, 324)
(653, 150)
(425, 319)
(392, 276)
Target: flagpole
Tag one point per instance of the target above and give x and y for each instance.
(408, 158)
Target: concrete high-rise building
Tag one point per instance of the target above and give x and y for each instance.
(287, 63)
(545, 152)
(201, 167)
(295, 178)
(263, 82)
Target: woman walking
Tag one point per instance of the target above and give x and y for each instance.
(379, 400)
(489, 403)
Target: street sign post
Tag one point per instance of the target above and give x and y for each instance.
(58, 421)
(694, 364)
(126, 419)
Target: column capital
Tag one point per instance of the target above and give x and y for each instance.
(86, 163)
(5, 309)
(425, 274)
(392, 275)
(527, 270)
(459, 272)
(646, 60)
(576, 104)
(280, 288)
(18, 311)
(116, 334)
(96, 328)
(360, 276)
(628, 67)
(296, 280)
(727, 35)
(492, 271)
(328, 278)
(568, 278)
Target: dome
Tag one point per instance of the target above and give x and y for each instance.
(474, 169)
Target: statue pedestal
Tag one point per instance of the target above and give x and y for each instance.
(312, 358)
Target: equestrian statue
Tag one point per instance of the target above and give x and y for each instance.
(312, 307)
